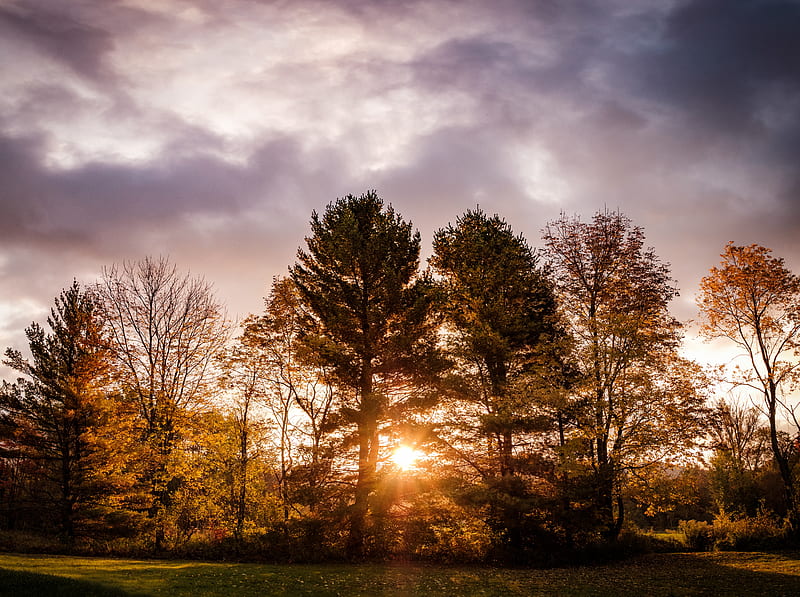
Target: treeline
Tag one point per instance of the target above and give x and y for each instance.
(502, 403)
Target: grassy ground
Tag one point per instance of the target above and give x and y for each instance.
(722, 573)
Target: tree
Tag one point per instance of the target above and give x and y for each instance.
(165, 331)
(503, 327)
(502, 309)
(244, 376)
(638, 399)
(274, 384)
(369, 319)
(61, 414)
(298, 382)
(737, 430)
(753, 300)
(662, 495)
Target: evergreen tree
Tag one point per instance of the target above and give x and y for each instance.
(503, 332)
(60, 413)
(502, 309)
(369, 320)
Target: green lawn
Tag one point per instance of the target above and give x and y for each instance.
(731, 573)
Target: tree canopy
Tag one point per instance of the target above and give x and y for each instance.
(505, 404)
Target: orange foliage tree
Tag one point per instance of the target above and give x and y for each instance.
(753, 300)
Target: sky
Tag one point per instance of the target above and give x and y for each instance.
(208, 130)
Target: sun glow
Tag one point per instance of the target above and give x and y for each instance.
(405, 457)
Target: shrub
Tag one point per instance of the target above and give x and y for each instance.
(28, 542)
(749, 532)
(728, 533)
(698, 536)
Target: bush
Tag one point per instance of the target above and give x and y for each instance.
(727, 533)
(27, 542)
(749, 532)
(632, 541)
(698, 536)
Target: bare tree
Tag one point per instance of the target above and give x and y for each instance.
(737, 430)
(298, 395)
(166, 329)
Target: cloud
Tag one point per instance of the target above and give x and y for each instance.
(52, 31)
(719, 60)
(97, 200)
(209, 131)
(728, 71)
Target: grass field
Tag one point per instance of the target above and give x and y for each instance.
(722, 573)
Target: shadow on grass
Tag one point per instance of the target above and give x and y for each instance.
(718, 573)
(15, 583)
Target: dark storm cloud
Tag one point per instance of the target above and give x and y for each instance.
(209, 131)
(55, 32)
(78, 205)
(732, 71)
(717, 58)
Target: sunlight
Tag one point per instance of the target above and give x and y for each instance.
(405, 457)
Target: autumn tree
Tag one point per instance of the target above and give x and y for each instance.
(245, 369)
(302, 396)
(662, 495)
(271, 340)
(368, 319)
(61, 413)
(279, 401)
(753, 300)
(165, 330)
(638, 399)
(741, 450)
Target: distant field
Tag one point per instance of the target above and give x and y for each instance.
(731, 573)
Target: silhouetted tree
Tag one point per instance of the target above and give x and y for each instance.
(639, 400)
(368, 318)
(502, 310)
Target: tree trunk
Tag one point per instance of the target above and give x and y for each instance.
(367, 459)
(367, 465)
(67, 500)
(604, 496)
(566, 505)
(506, 454)
(784, 466)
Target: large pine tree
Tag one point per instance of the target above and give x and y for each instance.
(369, 319)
